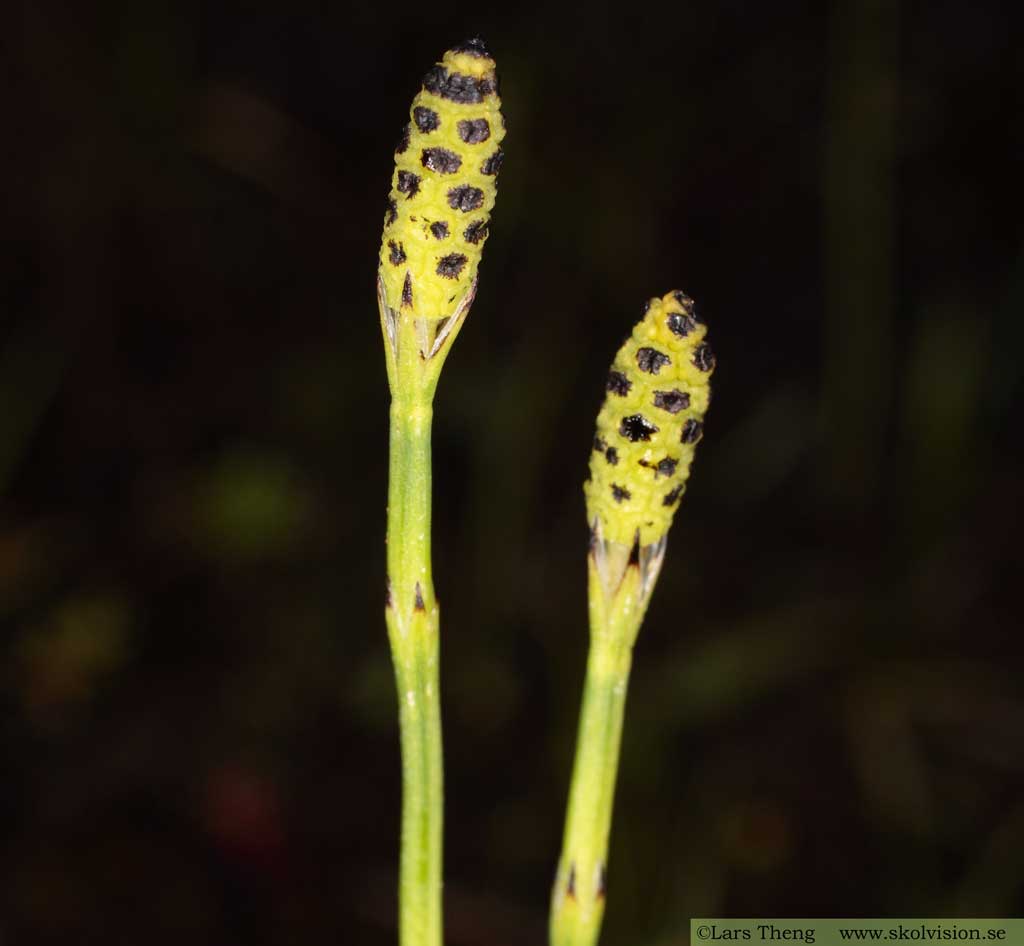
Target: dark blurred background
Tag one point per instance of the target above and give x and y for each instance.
(199, 722)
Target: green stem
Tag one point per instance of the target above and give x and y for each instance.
(415, 351)
(578, 897)
(413, 624)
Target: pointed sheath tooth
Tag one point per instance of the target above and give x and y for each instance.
(444, 185)
(656, 395)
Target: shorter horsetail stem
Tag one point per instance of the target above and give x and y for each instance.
(435, 225)
(657, 393)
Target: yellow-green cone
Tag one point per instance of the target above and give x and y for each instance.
(652, 419)
(443, 187)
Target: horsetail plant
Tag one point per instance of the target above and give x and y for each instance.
(652, 418)
(435, 225)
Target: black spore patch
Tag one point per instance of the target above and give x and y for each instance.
(612, 455)
(403, 140)
(599, 445)
(636, 427)
(620, 493)
(651, 360)
(493, 164)
(665, 467)
(418, 600)
(704, 357)
(427, 120)
(475, 232)
(441, 160)
(439, 229)
(456, 87)
(685, 302)
(672, 497)
(672, 401)
(451, 265)
(396, 254)
(680, 323)
(570, 887)
(465, 198)
(618, 383)
(602, 882)
(407, 290)
(408, 183)
(473, 47)
(474, 130)
(390, 213)
(692, 431)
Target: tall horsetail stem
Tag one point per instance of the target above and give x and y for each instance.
(435, 225)
(657, 393)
